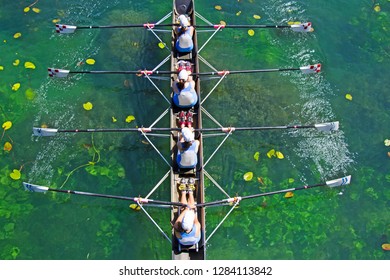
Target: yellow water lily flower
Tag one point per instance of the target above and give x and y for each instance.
(17, 35)
(16, 86)
(251, 32)
(29, 65)
(16, 62)
(377, 8)
(90, 61)
(218, 7)
(7, 125)
(36, 10)
(256, 156)
(221, 22)
(130, 118)
(27, 9)
(161, 45)
(348, 96)
(387, 142)
(248, 176)
(256, 17)
(87, 106)
(114, 119)
(56, 20)
(238, 13)
(1, 68)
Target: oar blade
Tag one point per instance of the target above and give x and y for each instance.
(58, 73)
(311, 69)
(34, 188)
(327, 127)
(39, 131)
(65, 29)
(302, 27)
(339, 182)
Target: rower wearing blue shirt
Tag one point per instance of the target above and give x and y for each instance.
(187, 154)
(184, 32)
(184, 95)
(187, 225)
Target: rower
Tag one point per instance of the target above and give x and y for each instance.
(184, 33)
(187, 226)
(184, 94)
(187, 149)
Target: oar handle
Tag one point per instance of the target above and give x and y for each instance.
(140, 72)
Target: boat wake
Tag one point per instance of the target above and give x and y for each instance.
(328, 152)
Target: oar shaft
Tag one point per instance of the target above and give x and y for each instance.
(114, 130)
(122, 72)
(123, 26)
(282, 191)
(255, 128)
(150, 201)
(221, 73)
(244, 26)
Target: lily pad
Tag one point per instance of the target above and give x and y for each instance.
(251, 32)
(7, 125)
(256, 156)
(271, 153)
(386, 246)
(7, 146)
(248, 176)
(29, 65)
(289, 195)
(291, 180)
(279, 155)
(135, 207)
(30, 94)
(130, 118)
(15, 86)
(90, 61)
(15, 174)
(88, 106)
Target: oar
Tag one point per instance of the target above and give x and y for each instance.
(37, 188)
(66, 28)
(310, 69)
(333, 183)
(301, 27)
(62, 73)
(39, 131)
(326, 127)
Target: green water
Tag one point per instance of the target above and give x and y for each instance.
(352, 41)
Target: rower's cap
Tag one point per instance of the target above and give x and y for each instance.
(184, 21)
(188, 135)
(183, 75)
(188, 220)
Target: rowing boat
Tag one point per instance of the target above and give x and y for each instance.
(185, 7)
(198, 251)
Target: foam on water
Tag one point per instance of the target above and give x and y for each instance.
(329, 152)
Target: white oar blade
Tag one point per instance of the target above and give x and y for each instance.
(38, 131)
(339, 182)
(34, 188)
(311, 69)
(303, 27)
(59, 73)
(63, 28)
(327, 127)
